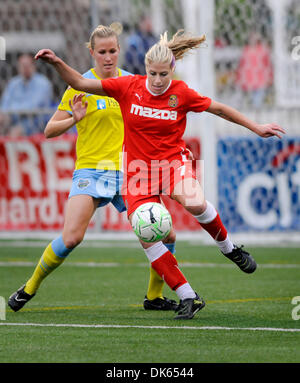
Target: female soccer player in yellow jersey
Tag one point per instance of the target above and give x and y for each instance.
(97, 178)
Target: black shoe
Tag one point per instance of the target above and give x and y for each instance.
(163, 304)
(189, 307)
(243, 259)
(18, 299)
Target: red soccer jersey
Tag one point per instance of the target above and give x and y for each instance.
(154, 124)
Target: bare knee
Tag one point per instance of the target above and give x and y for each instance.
(190, 195)
(72, 240)
(171, 238)
(197, 209)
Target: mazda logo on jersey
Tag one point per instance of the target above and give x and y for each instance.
(153, 113)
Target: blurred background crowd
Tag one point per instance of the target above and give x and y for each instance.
(244, 52)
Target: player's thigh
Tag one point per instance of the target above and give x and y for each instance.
(189, 193)
(79, 211)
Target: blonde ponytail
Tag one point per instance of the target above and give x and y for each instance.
(175, 49)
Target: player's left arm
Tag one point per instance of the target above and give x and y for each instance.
(233, 115)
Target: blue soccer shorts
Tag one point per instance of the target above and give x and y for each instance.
(103, 184)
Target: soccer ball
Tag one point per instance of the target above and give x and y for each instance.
(151, 222)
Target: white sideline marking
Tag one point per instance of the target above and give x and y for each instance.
(278, 240)
(182, 264)
(87, 244)
(151, 327)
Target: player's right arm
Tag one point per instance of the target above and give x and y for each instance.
(58, 124)
(61, 121)
(70, 75)
(233, 115)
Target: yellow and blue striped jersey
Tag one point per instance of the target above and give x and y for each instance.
(100, 132)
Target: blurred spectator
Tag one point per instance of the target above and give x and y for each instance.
(255, 70)
(138, 44)
(28, 91)
(4, 124)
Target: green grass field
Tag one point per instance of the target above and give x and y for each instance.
(90, 309)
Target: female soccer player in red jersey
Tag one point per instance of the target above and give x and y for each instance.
(154, 109)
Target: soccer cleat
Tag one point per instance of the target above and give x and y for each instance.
(18, 299)
(243, 259)
(163, 304)
(189, 307)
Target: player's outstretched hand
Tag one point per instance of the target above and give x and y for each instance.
(78, 108)
(47, 55)
(269, 130)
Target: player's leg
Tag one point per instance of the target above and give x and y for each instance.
(79, 211)
(133, 196)
(188, 192)
(154, 300)
(166, 266)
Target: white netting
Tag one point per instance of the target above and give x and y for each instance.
(243, 52)
(247, 73)
(254, 62)
(65, 26)
(35, 24)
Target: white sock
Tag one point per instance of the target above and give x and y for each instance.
(208, 215)
(225, 246)
(185, 291)
(155, 251)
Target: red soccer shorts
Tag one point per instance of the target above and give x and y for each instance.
(159, 179)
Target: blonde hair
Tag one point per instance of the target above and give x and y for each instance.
(168, 51)
(102, 31)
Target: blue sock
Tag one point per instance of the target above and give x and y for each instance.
(59, 247)
(171, 247)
